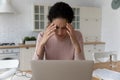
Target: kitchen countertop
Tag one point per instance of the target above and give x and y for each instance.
(88, 43)
(18, 46)
(33, 45)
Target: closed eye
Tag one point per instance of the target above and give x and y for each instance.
(57, 27)
(64, 28)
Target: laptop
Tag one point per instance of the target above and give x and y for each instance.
(62, 69)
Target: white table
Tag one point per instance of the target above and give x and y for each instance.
(20, 77)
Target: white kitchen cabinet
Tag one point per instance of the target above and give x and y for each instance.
(40, 19)
(90, 21)
(26, 55)
(90, 12)
(90, 27)
(87, 19)
(89, 50)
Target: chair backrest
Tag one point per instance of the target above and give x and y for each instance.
(13, 63)
(9, 68)
(105, 56)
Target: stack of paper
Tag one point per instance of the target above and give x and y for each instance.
(106, 74)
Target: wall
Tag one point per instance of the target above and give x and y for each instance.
(111, 27)
(13, 27)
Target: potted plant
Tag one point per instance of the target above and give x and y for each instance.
(29, 40)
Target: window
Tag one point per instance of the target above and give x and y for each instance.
(40, 17)
(76, 21)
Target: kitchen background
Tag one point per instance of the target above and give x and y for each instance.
(13, 27)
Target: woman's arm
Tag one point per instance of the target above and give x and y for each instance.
(41, 41)
(77, 41)
(79, 52)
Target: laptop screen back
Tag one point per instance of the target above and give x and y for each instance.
(62, 70)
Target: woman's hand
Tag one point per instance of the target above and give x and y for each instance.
(71, 33)
(50, 30)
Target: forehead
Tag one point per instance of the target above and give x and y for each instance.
(61, 22)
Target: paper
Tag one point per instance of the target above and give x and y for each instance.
(9, 64)
(106, 74)
(7, 74)
(103, 59)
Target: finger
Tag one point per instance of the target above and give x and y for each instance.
(68, 32)
(50, 28)
(70, 26)
(53, 26)
(69, 29)
(49, 25)
(52, 33)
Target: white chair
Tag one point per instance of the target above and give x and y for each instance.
(105, 56)
(8, 68)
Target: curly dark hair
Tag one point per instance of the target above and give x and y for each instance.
(61, 10)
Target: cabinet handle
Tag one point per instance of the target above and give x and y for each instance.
(96, 20)
(27, 47)
(86, 19)
(99, 50)
(89, 50)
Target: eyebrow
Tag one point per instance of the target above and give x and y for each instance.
(61, 27)
(64, 27)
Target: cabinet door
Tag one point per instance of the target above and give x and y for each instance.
(90, 21)
(99, 48)
(90, 27)
(40, 17)
(88, 50)
(90, 12)
(26, 57)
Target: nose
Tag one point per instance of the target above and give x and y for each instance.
(59, 32)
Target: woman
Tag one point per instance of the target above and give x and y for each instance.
(59, 41)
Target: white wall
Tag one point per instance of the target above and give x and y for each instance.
(111, 27)
(13, 27)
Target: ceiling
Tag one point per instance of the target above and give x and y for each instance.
(92, 3)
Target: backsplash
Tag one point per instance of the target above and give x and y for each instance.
(13, 27)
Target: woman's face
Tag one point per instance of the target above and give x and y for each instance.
(60, 27)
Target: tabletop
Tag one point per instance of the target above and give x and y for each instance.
(114, 66)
